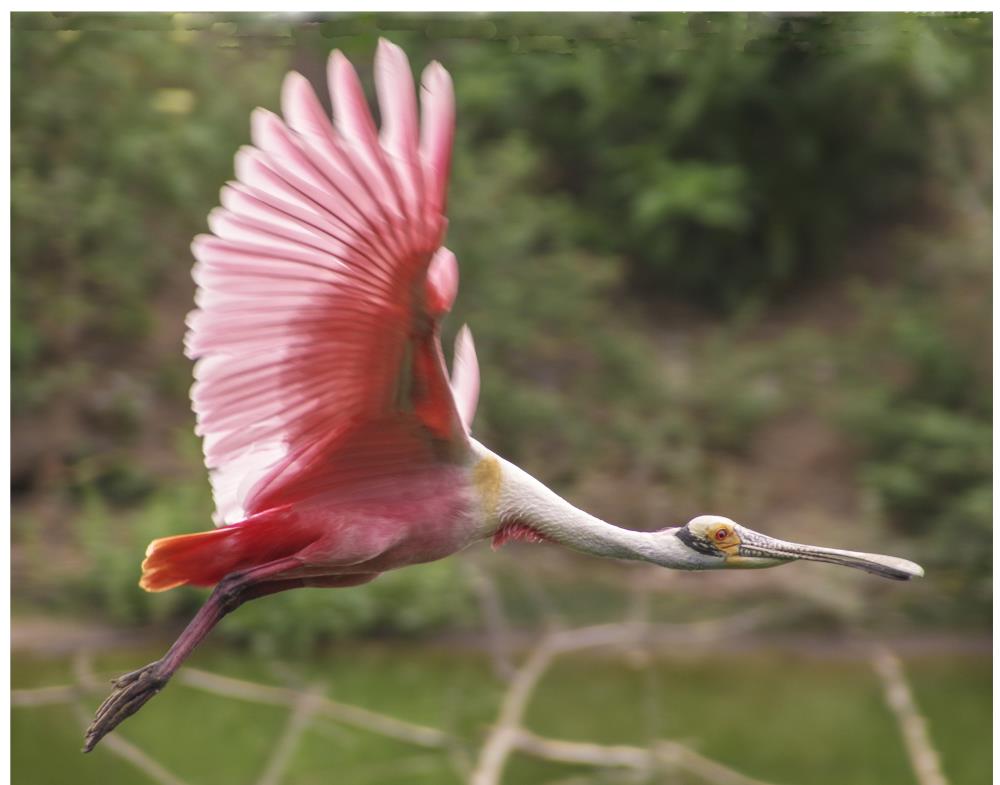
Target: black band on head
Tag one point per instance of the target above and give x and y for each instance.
(697, 543)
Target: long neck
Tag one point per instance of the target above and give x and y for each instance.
(520, 498)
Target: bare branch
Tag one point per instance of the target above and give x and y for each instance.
(899, 698)
(675, 754)
(302, 713)
(584, 753)
(662, 755)
(504, 736)
(44, 696)
(83, 670)
(500, 742)
(601, 778)
(507, 736)
(421, 735)
(491, 606)
(116, 743)
(126, 750)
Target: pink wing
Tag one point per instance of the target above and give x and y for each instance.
(320, 294)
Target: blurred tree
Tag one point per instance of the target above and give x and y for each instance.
(728, 156)
(120, 140)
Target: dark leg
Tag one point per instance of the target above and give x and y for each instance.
(132, 690)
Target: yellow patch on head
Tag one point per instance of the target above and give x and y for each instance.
(724, 537)
(486, 477)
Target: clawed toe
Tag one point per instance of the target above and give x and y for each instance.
(130, 693)
(128, 678)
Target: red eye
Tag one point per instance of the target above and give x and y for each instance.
(721, 534)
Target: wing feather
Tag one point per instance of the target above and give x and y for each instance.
(319, 294)
(465, 377)
(437, 101)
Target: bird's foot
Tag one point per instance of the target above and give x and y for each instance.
(130, 693)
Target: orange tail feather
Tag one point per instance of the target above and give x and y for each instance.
(205, 558)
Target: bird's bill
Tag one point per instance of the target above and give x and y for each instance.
(759, 546)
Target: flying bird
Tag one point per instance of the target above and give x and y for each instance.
(337, 444)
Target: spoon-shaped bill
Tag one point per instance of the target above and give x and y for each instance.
(756, 545)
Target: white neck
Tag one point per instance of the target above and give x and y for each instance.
(521, 498)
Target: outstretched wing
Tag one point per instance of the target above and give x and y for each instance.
(320, 293)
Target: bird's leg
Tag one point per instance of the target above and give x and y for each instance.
(132, 690)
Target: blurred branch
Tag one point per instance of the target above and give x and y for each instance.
(601, 778)
(83, 670)
(500, 742)
(43, 696)
(899, 698)
(508, 736)
(662, 754)
(541, 598)
(491, 606)
(409, 732)
(115, 743)
(126, 750)
(302, 713)
(584, 753)
(674, 754)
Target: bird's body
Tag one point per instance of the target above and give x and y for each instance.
(338, 447)
(376, 526)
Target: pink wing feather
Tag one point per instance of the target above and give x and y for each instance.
(320, 293)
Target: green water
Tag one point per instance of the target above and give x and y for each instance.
(781, 718)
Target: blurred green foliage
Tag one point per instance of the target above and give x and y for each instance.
(728, 156)
(608, 169)
(918, 399)
(115, 145)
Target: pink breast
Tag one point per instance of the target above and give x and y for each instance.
(415, 519)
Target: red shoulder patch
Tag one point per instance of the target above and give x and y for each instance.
(516, 532)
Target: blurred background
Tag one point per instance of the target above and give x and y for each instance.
(714, 263)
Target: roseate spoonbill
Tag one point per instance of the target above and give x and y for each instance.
(337, 445)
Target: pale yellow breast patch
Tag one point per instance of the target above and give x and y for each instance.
(486, 476)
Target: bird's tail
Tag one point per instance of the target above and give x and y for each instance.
(205, 558)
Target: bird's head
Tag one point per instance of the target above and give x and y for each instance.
(714, 542)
